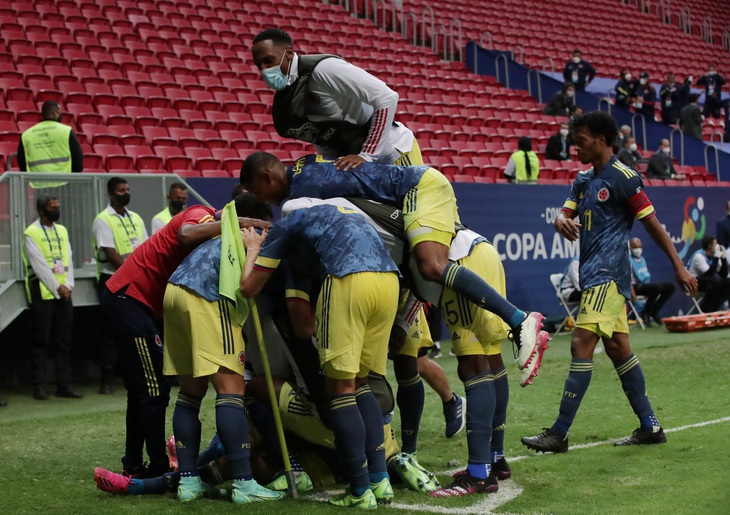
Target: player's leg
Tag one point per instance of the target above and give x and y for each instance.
(634, 386)
(500, 467)
(410, 398)
(454, 407)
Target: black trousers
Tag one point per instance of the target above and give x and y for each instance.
(51, 324)
(106, 353)
(657, 294)
(716, 290)
(148, 391)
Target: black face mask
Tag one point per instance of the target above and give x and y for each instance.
(60, 117)
(53, 215)
(177, 205)
(122, 200)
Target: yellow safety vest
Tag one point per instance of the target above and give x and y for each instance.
(54, 245)
(125, 230)
(47, 150)
(520, 168)
(165, 216)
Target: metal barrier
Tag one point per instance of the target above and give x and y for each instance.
(663, 11)
(414, 24)
(441, 30)
(726, 38)
(675, 131)
(706, 29)
(456, 22)
(530, 73)
(497, 58)
(481, 40)
(427, 9)
(643, 127)
(551, 62)
(607, 102)
(717, 160)
(685, 20)
(522, 54)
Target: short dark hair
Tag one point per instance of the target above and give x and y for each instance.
(707, 241)
(693, 97)
(112, 183)
(48, 107)
(248, 206)
(567, 86)
(177, 186)
(255, 165)
(597, 123)
(577, 51)
(237, 190)
(574, 108)
(42, 201)
(276, 35)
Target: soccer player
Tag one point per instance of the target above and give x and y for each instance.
(429, 216)
(607, 198)
(356, 308)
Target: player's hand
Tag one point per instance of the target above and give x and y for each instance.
(569, 228)
(686, 281)
(253, 222)
(64, 292)
(397, 340)
(252, 240)
(348, 162)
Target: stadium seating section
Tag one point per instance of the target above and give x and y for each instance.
(157, 86)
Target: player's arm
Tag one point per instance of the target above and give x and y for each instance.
(253, 280)
(299, 305)
(195, 233)
(565, 222)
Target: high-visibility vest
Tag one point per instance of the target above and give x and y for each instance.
(521, 169)
(124, 229)
(53, 243)
(164, 216)
(47, 150)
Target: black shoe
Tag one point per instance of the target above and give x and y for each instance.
(643, 437)
(40, 393)
(465, 484)
(68, 393)
(3, 403)
(105, 383)
(500, 468)
(657, 319)
(547, 441)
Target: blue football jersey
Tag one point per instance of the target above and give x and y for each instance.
(343, 240)
(200, 270)
(607, 203)
(317, 177)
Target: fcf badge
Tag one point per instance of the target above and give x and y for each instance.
(603, 195)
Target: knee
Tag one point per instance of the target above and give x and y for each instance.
(405, 367)
(471, 365)
(432, 268)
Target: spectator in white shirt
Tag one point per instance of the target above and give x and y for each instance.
(709, 265)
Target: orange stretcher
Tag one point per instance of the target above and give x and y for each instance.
(691, 323)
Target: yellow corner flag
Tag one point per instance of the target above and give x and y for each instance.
(233, 256)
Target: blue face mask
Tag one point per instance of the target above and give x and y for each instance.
(274, 78)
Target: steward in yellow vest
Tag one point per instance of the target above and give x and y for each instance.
(177, 198)
(523, 166)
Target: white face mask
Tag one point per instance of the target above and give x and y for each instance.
(666, 150)
(711, 73)
(274, 78)
(636, 252)
(569, 93)
(642, 82)
(564, 133)
(627, 76)
(576, 59)
(633, 147)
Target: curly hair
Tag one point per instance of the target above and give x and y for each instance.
(598, 124)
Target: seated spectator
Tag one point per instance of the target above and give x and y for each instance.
(558, 146)
(690, 118)
(570, 284)
(623, 133)
(578, 72)
(661, 165)
(674, 97)
(657, 294)
(523, 166)
(625, 89)
(709, 265)
(629, 154)
(645, 96)
(561, 102)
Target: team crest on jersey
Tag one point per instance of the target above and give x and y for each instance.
(602, 195)
(242, 358)
(158, 340)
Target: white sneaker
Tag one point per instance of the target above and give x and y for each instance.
(533, 366)
(527, 338)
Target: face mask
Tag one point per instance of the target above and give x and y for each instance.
(711, 73)
(666, 150)
(53, 215)
(636, 252)
(576, 60)
(627, 76)
(569, 93)
(642, 82)
(273, 77)
(177, 205)
(633, 147)
(123, 200)
(60, 117)
(564, 132)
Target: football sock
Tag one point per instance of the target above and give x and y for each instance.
(212, 452)
(575, 387)
(263, 420)
(410, 398)
(154, 485)
(369, 409)
(232, 426)
(296, 466)
(186, 428)
(349, 430)
(634, 385)
(468, 284)
(501, 391)
(480, 399)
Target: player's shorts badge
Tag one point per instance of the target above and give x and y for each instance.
(158, 340)
(242, 358)
(602, 195)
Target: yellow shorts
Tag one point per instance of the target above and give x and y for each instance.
(354, 317)
(418, 337)
(603, 311)
(429, 210)
(412, 157)
(200, 336)
(299, 416)
(475, 330)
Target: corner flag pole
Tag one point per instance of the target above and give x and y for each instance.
(292, 489)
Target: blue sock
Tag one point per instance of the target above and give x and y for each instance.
(263, 420)
(575, 387)
(480, 401)
(349, 430)
(634, 385)
(212, 452)
(296, 466)
(369, 409)
(501, 391)
(186, 428)
(469, 285)
(154, 485)
(232, 426)
(410, 399)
